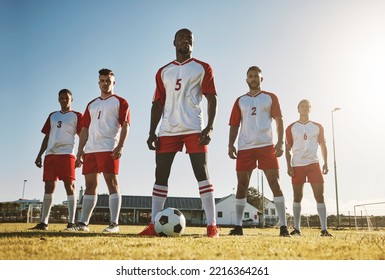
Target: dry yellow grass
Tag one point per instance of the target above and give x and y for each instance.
(258, 244)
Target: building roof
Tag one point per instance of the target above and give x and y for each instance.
(144, 202)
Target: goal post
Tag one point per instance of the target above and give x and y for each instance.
(370, 210)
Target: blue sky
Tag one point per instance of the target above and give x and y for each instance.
(330, 52)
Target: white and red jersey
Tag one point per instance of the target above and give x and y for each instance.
(303, 139)
(104, 118)
(254, 115)
(180, 86)
(61, 128)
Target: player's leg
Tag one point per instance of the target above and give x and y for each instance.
(71, 202)
(114, 202)
(318, 191)
(49, 189)
(206, 189)
(49, 178)
(160, 189)
(90, 199)
(297, 198)
(243, 178)
(198, 158)
(317, 184)
(272, 177)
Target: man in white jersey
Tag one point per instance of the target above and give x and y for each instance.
(302, 140)
(253, 113)
(105, 128)
(177, 103)
(59, 161)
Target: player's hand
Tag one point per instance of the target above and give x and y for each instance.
(79, 160)
(232, 152)
(153, 142)
(278, 149)
(205, 138)
(325, 169)
(290, 171)
(117, 152)
(38, 162)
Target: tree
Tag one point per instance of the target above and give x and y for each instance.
(254, 197)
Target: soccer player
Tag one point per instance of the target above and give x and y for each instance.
(105, 128)
(253, 113)
(177, 103)
(302, 140)
(59, 161)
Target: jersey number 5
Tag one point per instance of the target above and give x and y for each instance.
(178, 85)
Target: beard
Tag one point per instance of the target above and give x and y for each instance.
(254, 85)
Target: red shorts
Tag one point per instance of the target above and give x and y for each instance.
(100, 162)
(171, 144)
(60, 167)
(265, 156)
(310, 173)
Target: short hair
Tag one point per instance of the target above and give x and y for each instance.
(106, 72)
(182, 30)
(254, 68)
(302, 101)
(64, 90)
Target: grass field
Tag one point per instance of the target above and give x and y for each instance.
(258, 244)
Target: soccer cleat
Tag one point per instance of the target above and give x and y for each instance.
(112, 228)
(41, 226)
(149, 231)
(70, 227)
(212, 231)
(284, 232)
(81, 227)
(296, 232)
(326, 233)
(236, 231)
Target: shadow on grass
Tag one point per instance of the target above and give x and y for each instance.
(44, 234)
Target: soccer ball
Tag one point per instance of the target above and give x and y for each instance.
(170, 222)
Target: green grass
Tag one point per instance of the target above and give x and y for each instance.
(258, 244)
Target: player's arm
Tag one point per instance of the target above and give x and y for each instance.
(117, 152)
(43, 147)
(211, 114)
(290, 170)
(83, 137)
(279, 127)
(156, 115)
(324, 153)
(233, 133)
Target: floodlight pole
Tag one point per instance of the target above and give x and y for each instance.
(335, 168)
(25, 181)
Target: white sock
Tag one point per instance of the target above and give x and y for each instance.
(240, 204)
(89, 203)
(47, 204)
(206, 192)
(159, 196)
(72, 203)
(297, 215)
(115, 202)
(279, 202)
(321, 209)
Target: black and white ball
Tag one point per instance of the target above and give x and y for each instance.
(170, 222)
